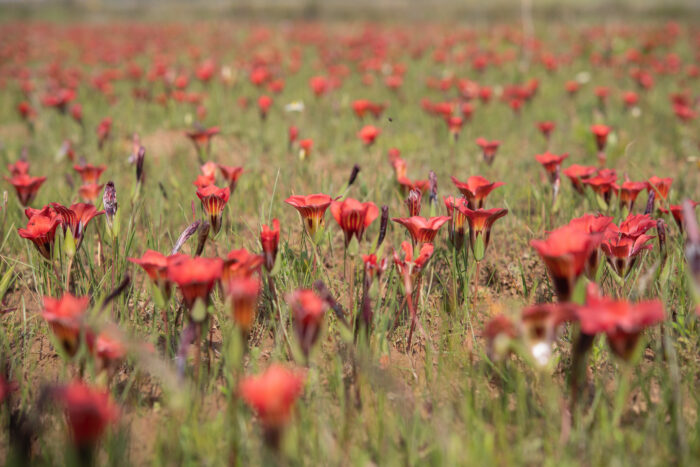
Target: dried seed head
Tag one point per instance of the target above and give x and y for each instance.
(109, 200)
(433, 187)
(650, 202)
(203, 235)
(382, 226)
(184, 236)
(353, 174)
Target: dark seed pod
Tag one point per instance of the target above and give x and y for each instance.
(109, 201)
(382, 226)
(650, 202)
(184, 236)
(353, 174)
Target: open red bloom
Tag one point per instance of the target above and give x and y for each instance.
(109, 349)
(214, 200)
(308, 310)
(155, 265)
(272, 394)
(633, 226)
(89, 192)
(201, 138)
(578, 173)
(26, 187)
(410, 267)
(546, 128)
(240, 263)
(41, 230)
(622, 251)
(305, 147)
(660, 186)
(480, 223)
(677, 212)
(457, 220)
(65, 317)
(565, 252)
(361, 107)
(602, 184)
(476, 189)
(269, 239)
(628, 192)
(312, 209)
(600, 133)
(264, 104)
(89, 412)
(551, 163)
(195, 277)
(76, 218)
(243, 293)
(368, 134)
(353, 217)
(90, 173)
(621, 321)
(592, 224)
(18, 168)
(231, 175)
(422, 230)
(488, 149)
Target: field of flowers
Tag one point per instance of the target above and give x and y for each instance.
(328, 243)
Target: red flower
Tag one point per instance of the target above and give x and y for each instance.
(546, 128)
(578, 173)
(201, 138)
(269, 239)
(660, 186)
(76, 218)
(240, 263)
(90, 173)
(476, 189)
(18, 168)
(319, 85)
(353, 217)
(488, 149)
(243, 293)
(592, 224)
(214, 200)
(498, 331)
(264, 103)
(305, 146)
(155, 265)
(551, 163)
(457, 220)
(622, 251)
(602, 184)
(422, 230)
(540, 324)
(312, 209)
(410, 267)
(571, 87)
(308, 310)
(633, 226)
(109, 350)
(65, 317)
(90, 192)
(677, 212)
(621, 321)
(231, 175)
(600, 133)
(89, 412)
(195, 277)
(480, 222)
(26, 187)
(41, 230)
(361, 107)
(368, 134)
(293, 135)
(628, 192)
(272, 394)
(103, 130)
(565, 252)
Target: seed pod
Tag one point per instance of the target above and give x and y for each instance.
(109, 201)
(413, 202)
(382, 226)
(203, 235)
(353, 174)
(433, 187)
(184, 236)
(650, 202)
(140, 156)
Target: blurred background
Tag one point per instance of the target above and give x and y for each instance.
(385, 10)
